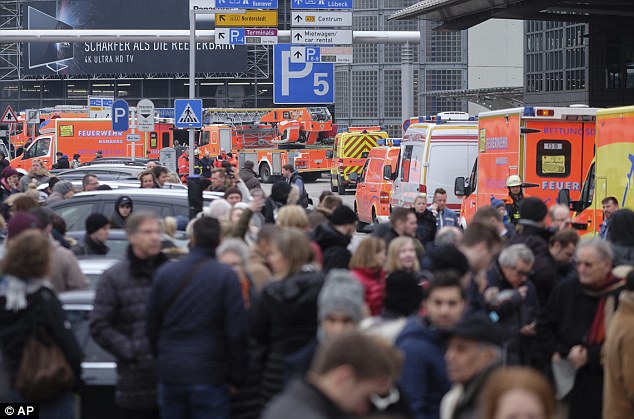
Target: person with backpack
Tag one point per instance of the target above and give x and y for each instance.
(293, 178)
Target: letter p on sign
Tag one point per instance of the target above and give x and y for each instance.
(120, 112)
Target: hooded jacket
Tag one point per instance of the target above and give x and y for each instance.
(40, 176)
(334, 247)
(117, 221)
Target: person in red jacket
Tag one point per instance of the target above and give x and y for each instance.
(220, 158)
(367, 265)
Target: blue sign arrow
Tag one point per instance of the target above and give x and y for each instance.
(246, 4)
(120, 115)
(321, 4)
(189, 113)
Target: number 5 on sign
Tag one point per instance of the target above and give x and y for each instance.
(299, 83)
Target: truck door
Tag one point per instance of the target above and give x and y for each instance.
(225, 139)
(409, 182)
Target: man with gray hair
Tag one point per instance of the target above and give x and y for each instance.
(572, 326)
(510, 297)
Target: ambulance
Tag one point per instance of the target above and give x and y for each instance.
(611, 173)
(434, 150)
(550, 148)
(372, 197)
(350, 151)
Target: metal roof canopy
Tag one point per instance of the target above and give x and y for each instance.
(463, 14)
(131, 35)
(491, 98)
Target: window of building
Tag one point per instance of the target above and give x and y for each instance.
(52, 89)
(77, 89)
(342, 93)
(392, 52)
(365, 53)
(392, 93)
(365, 4)
(155, 88)
(365, 100)
(128, 88)
(103, 88)
(30, 89)
(443, 46)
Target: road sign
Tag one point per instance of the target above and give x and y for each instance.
(337, 55)
(246, 4)
(120, 115)
(322, 36)
(145, 115)
(167, 157)
(133, 138)
(99, 107)
(250, 19)
(9, 117)
(245, 36)
(32, 116)
(321, 4)
(317, 18)
(189, 113)
(296, 83)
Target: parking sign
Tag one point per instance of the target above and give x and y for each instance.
(298, 83)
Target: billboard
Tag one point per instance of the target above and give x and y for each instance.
(121, 57)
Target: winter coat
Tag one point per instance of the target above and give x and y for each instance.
(54, 197)
(17, 326)
(512, 314)
(89, 247)
(62, 163)
(565, 322)
(301, 396)
(424, 376)
(618, 361)
(66, 275)
(250, 178)
(206, 164)
(544, 275)
(466, 406)
(40, 177)
(118, 324)
(373, 281)
(284, 319)
(426, 228)
(334, 247)
(298, 181)
(446, 218)
(623, 255)
(201, 338)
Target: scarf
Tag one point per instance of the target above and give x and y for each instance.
(15, 290)
(605, 308)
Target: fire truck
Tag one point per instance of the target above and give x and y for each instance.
(271, 138)
(23, 131)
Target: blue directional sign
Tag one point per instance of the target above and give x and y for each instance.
(313, 55)
(298, 83)
(120, 115)
(188, 113)
(165, 112)
(247, 4)
(236, 36)
(321, 4)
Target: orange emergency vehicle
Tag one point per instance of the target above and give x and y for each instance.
(372, 197)
(349, 154)
(550, 148)
(86, 136)
(611, 173)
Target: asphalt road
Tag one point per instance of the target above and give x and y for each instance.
(315, 188)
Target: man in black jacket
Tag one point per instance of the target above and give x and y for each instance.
(333, 238)
(197, 328)
(293, 178)
(97, 233)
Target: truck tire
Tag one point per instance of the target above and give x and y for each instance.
(341, 188)
(361, 225)
(375, 220)
(265, 173)
(333, 188)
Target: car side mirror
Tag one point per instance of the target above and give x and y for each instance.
(460, 187)
(353, 176)
(387, 172)
(329, 154)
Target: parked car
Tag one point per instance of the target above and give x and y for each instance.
(114, 184)
(94, 266)
(105, 171)
(118, 160)
(163, 202)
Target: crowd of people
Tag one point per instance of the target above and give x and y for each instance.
(278, 311)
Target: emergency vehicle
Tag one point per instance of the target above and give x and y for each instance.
(550, 148)
(86, 136)
(372, 197)
(434, 150)
(349, 154)
(271, 138)
(611, 173)
(22, 131)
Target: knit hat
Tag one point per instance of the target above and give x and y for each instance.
(341, 293)
(496, 203)
(477, 327)
(533, 209)
(95, 222)
(20, 222)
(63, 187)
(447, 257)
(343, 215)
(123, 200)
(403, 295)
(8, 172)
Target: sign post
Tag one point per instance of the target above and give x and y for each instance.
(145, 115)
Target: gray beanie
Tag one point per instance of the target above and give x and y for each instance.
(63, 187)
(341, 293)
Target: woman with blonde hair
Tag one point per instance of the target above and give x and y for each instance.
(518, 392)
(284, 319)
(401, 256)
(293, 216)
(367, 265)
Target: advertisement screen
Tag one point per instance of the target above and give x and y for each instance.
(122, 57)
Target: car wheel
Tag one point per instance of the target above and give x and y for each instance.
(333, 188)
(375, 220)
(265, 173)
(341, 188)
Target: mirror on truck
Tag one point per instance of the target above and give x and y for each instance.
(353, 176)
(459, 186)
(563, 197)
(329, 154)
(387, 172)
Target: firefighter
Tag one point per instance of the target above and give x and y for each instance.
(515, 196)
(183, 165)
(232, 160)
(220, 158)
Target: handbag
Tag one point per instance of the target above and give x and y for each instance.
(43, 373)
